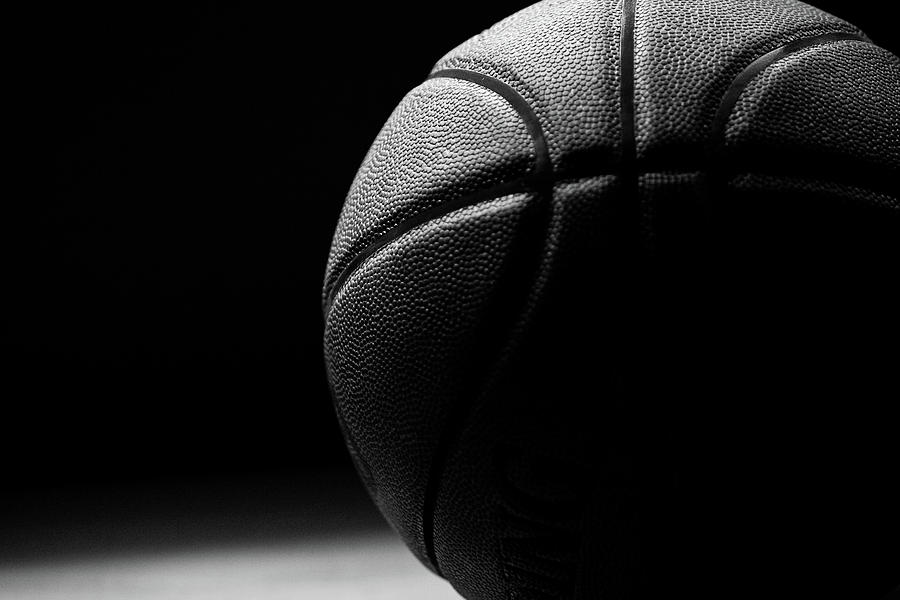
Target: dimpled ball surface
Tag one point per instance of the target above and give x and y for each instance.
(608, 309)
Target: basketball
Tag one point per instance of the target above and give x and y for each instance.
(609, 311)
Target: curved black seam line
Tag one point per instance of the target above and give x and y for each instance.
(515, 186)
(631, 206)
(740, 83)
(541, 180)
(537, 179)
(542, 164)
(626, 92)
(527, 184)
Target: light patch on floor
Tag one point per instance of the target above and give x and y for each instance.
(359, 566)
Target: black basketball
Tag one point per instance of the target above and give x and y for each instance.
(610, 309)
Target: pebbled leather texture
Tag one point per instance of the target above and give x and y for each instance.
(688, 53)
(446, 139)
(608, 310)
(809, 105)
(401, 338)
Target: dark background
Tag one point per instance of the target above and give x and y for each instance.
(177, 172)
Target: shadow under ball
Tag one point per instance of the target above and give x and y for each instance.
(610, 310)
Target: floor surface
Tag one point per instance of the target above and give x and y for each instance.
(316, 539)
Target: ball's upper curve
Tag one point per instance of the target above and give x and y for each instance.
(414, 307)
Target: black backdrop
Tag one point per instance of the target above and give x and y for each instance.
(178, 170)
